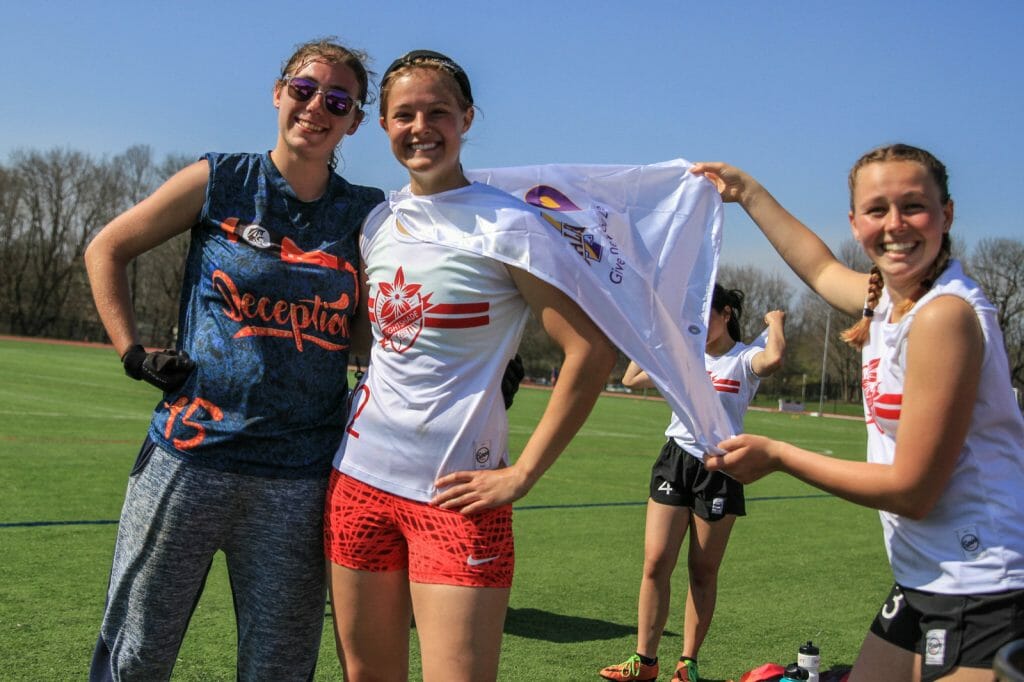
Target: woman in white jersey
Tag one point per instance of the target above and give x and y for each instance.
(945, 437)
(685, 496)
(419, 510)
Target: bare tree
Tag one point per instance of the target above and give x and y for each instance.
(763, 292)
(63, 198)
(821, 350)
(842, 361)
(829, 368)
(998, 266)
(51, 204)
(155, 276)
(138, 177)
(12, 244)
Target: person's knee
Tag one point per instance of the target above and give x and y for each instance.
(124, 663)
(381, 671)
(267, 651)
(658, 567)
(703, 574)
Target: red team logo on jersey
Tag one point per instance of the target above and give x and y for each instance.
(401, 312)
(398, 312)
(881, 407)
(723, 385)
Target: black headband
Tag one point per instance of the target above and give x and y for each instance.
(445, 61)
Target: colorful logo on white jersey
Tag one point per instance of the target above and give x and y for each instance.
(400, 313)
(883, 409)
(582, 241)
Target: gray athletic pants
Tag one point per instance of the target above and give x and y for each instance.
(175, 517)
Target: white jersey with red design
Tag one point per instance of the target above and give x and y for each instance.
(735, 385)
(445, 324)
(972, 542)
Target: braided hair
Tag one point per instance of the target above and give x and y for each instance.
(858, 334)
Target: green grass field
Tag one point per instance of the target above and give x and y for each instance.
(802, 565)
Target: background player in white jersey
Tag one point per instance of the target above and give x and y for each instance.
(945, 437)
(687, 497)
(419, 512)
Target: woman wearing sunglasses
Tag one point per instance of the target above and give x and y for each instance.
(419, 517)
(238, 451)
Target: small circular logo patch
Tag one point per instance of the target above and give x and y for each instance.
(969, 542)
(483, 454)
(257, 236)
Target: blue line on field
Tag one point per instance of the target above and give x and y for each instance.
(30, 524)
(591, 505)
(644, 502)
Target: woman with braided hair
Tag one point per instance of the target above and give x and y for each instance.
(945, 460)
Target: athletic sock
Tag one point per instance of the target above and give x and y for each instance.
(645, 660)
(684, 659)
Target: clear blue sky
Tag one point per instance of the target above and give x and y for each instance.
(792, 91)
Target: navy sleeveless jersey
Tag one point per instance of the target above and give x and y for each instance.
(269, 286)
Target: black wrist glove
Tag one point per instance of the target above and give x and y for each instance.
(166, 369)
(514, 374)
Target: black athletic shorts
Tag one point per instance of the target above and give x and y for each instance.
(679, 479)
(950, 630)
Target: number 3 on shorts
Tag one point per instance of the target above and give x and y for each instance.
(892, 606)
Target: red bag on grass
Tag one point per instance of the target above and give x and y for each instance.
(769, 672)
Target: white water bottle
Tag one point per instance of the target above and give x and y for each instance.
(808, 659)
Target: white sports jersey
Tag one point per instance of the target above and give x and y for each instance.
(972, 542)
(636, 247)
(445, 324)
(735, 385)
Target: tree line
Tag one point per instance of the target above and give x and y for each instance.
(53, 202)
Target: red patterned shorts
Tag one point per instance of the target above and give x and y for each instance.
(368, 529)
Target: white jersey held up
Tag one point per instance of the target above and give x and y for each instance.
(735, 382)
(637, 248)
